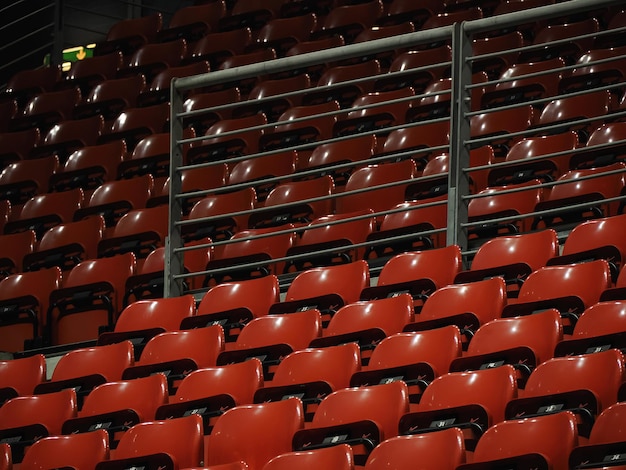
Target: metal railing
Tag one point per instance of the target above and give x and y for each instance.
(460, 36)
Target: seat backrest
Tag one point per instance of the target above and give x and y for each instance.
(108, 361)
(33, 174)
(436, 347)
(202, 345)
(346, 280)
(441, 449)
(294, 329)
(602, 373)
(490, 388)
(143, 396)
(383, 404)
(552, 436)
(607, 427)
(50, 409)
(602, 318)
(337, 457)
(252, 443)
(166, 313)
(59, 206)
(311, 365)
(83, 450)
(389, 315)
(21, 376)
(13, 248)
(181, 439)
(239, 380)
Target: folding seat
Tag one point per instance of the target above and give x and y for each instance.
(217, 46)
(494, 127)
(568, 288)
(472, 401)
(349, 20)
(381, 199)
(272, 337)
(319, 126)
(89, 167)
(577, 189)
(287, 203)
(399, 11)
(367, 323)
(134, 124)
(329, 240)
(67, 136)
(75, 451)
(379, 32)
(541, 442)
(378, 117)
(496, 46)
(529, 155)
(66, 245)
(321, 8)
(570, 50)
(110, 97)
(210, 391)
(270, 166)
(361, 417)
(249, 254)
(418, 273)
(47, 109)
(469, 306)
(325, 288)
(253, 444)
(130, 34)
(595, 239)
(89, 299)
(524, 342)
(326, 157)
(24, 420)
(13, 248)
(117, 406)
(496, 202)
(19, 377)
(245, 85)
(158, 90)
(193, 22)
(590, 75)
(338, 457)
(446, 18)
(85, 368)
(112, 199)
(138, 231)
(214, 106)
(313, 71)
(443, 449)
(91, 71)
(560, 115)
(414, 358)
(416, 69)
(417, 142)
(216, 147)
(152, 58)
(17, 145)
(175, 354)
(25, 299)
(612, 39)
(284, 32)
(516, 84)
(599, 328)
(606, 442)
(359, 75)
(584, 384)
(144, 319)
(305, 374)
(250, 13)
(264, 92)
(24, 179)
(512, 257)
(607, 137)
(26, 84)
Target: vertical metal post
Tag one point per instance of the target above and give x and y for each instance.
(459, 134)
(174, 264)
